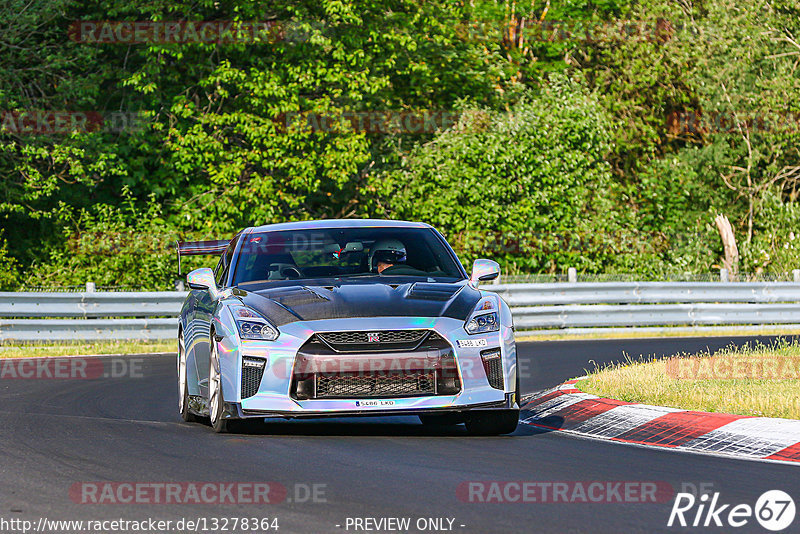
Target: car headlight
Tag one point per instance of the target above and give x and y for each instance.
(252, 325)
(485, 322)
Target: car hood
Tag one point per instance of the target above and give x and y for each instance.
(283, 305)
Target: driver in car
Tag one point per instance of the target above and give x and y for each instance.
(387, 255)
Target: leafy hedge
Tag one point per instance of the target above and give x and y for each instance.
(526, 187)
(571, 151)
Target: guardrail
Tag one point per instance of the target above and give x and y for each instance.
(91, 305)
(552, 307)
(647, 304)
(89, 316)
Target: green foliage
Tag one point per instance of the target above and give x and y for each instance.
(568, 153)
(517, 183)
(213, 151)
(8, 269)
(675, 204)
(776, 244)
(112, 246)
(730, 71)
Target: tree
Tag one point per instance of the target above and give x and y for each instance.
(526, 187)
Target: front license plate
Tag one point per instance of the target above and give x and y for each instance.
(463, 343)
(374, 403)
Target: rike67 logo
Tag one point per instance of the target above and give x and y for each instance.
(774, 510)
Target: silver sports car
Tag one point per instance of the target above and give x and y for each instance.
(345, 318)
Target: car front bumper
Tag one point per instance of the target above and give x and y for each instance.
(273, 397)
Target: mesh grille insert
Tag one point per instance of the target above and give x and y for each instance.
(495, 373)
(493, 365)
(376, 385)
(251, 380)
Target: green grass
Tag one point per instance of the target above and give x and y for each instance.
(731, 380)
(86, 348)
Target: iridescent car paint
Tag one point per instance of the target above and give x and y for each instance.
(298, 321)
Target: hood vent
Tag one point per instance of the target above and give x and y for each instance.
(425, 291)
(295, 296)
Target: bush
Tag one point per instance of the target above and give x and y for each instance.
(519, 186)
(9, 269)
(775, 247)
(112, 246)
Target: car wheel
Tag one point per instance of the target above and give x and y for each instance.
(215, 399)
(492, 422)
(518, 392)
(183, 385)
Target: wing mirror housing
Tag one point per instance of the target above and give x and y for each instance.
(484, 270)
(203, 279)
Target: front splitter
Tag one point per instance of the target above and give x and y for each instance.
(235, 410)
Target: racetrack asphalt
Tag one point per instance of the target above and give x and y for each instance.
(59, 433)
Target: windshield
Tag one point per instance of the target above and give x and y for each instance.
(344, 253)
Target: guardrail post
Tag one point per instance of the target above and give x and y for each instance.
(90, 287)
(796, 275)
(572, 275)
(723, 275)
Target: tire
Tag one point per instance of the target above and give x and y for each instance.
(183, 384)
(444, 419)
(215, 399)
(518, 392)
(492, 422)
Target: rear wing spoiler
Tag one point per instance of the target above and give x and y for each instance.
(200, 248)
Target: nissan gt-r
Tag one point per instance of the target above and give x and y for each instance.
(345, 318)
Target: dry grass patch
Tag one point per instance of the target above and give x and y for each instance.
(87, 349)
(760, 380)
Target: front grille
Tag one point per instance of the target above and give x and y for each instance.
(493, 365)
(402, 363)
(378, 340)
(251, 380)
(376, 385)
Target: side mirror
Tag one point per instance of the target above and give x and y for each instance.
(202, 279)
(484, 270)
